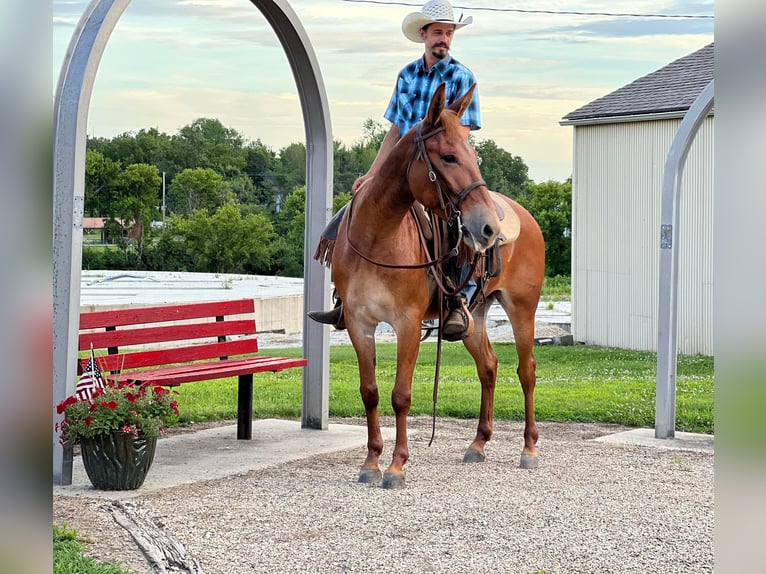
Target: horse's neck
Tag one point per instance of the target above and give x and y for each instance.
(386, 198)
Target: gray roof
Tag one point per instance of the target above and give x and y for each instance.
(672, 88)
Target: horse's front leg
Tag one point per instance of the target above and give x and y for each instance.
(407, 347)
(363, 339)
(484, 356)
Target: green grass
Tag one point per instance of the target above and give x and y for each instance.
(558, 288)
(574, 384)
(68, 557)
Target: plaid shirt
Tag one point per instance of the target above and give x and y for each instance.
(415, 86)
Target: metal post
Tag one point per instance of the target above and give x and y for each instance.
(319, 171)
(73, 94)
(667, 320)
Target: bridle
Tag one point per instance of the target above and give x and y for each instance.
(434, 175)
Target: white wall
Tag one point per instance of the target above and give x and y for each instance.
(617, 182)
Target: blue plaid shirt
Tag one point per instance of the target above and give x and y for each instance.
(415, 86)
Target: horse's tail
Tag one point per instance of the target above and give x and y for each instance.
(324, 250)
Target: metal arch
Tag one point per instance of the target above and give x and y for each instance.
(71, 107)
(667, 319)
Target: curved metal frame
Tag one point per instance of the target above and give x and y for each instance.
(667, 317)
(71, 106)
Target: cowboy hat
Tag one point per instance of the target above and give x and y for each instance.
(433, 11)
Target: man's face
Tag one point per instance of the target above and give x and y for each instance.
(438, 39)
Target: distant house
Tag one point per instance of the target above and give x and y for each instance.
(621, 142)
(90, 224)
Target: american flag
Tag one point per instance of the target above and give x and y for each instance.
(90, 381)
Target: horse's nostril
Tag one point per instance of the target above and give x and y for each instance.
(489, 231)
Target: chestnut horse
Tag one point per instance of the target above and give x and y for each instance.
(380, 272)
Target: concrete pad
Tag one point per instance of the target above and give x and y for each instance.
(216, 453)
(645, 437)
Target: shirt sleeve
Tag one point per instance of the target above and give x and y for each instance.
(392, 113)
(472, 115)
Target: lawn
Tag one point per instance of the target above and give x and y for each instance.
(579, 383)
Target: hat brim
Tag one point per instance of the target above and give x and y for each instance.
(412, 24)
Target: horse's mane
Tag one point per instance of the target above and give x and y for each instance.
(451, 122)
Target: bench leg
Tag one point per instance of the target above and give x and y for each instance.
(245, 407)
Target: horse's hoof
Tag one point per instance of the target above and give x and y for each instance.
(393, 480)
(528, 461)
(369, 476)
(473, 455)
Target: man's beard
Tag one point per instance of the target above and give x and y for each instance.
(439, 55)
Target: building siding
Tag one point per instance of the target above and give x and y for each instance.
(617, 184)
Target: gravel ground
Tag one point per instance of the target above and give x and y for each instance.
(589, 507)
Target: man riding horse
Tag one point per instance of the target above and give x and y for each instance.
(415, 85)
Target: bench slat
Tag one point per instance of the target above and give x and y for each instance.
(210, 371)
(138, 316)
(152, 358)
(148, 335)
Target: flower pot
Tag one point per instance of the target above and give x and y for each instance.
(117, 461)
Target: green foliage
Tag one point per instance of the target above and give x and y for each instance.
(574, 384)
(504, 172)
(550, 203)
(224, 242)
(206, 143)
(68, 557)
(138, 196)
(109, 257)
(557, 288)
(100, 175)
(198, 188)
(138, 410)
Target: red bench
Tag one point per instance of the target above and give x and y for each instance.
(204, 336)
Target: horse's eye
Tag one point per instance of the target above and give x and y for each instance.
(449, 158)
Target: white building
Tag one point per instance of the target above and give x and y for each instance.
(621, 142)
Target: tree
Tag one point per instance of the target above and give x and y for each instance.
(550, 203)
(290, 227)
(138, 199)
(290, 169)
(148, 146)
(225, 242)
(198, 188)
(504, 172)
(100, 176)
(260, 167)
(207, 143)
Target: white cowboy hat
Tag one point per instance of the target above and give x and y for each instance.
(433, 11)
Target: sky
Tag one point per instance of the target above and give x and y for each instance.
(169, 62)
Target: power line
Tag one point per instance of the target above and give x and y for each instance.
(553, 12)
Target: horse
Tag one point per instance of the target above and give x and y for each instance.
(382, 274)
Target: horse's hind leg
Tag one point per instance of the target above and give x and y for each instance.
(364, 344)
(484, 356)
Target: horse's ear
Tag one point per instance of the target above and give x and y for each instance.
(461, 104)
(436, 107)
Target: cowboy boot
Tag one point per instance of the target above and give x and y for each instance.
(459, 323)
(333, 317)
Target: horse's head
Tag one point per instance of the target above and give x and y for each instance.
(444, 173)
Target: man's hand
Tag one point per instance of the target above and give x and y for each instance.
(359, 181)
